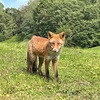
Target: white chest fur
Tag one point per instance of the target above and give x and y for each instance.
(52, 57)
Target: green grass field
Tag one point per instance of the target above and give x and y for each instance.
(79, 74)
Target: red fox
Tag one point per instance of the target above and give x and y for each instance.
(47, 50)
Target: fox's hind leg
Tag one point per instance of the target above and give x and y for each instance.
(34, 66)
(31, 63)
(31, 59)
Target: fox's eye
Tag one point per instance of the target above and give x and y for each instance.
(52, 43)
(59, 43)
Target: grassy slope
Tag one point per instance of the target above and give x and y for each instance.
(79, 73)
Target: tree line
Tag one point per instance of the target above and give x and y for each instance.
(79, 19)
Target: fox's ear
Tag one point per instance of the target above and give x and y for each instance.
(50, 35)
(62, 35)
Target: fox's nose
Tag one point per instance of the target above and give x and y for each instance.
(55, 50)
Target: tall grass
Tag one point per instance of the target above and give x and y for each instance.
(79, 74)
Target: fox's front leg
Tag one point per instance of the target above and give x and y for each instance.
(54, 64)
(47, 69)
(40, 65)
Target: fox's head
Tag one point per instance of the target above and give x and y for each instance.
(56, 41)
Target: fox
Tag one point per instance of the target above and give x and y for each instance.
(46, 49)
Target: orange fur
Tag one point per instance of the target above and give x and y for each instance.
(46, 49)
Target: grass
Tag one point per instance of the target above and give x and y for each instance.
(79, 74)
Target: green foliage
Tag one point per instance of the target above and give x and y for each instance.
(51, 15)
(1, 7)
(79, 19)
(75, 16)
(27, 26)
(7, 26)
(17, 18)
(79, 74)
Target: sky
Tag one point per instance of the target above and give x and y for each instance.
(14, 3)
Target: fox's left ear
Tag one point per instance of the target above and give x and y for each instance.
(62, 35)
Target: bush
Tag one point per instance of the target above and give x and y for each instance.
(79, 21)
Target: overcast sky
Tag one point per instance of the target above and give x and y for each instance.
(14, 3)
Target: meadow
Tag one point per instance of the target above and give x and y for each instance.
(79, 75)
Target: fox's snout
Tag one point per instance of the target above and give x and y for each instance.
(55, 50)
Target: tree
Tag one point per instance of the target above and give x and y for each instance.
(80, 19)
(17, 18)
(27, 26)
(1, 6)
(7, 26)
(75, 15)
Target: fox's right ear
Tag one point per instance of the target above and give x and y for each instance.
(62, 35)
(50, 35)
